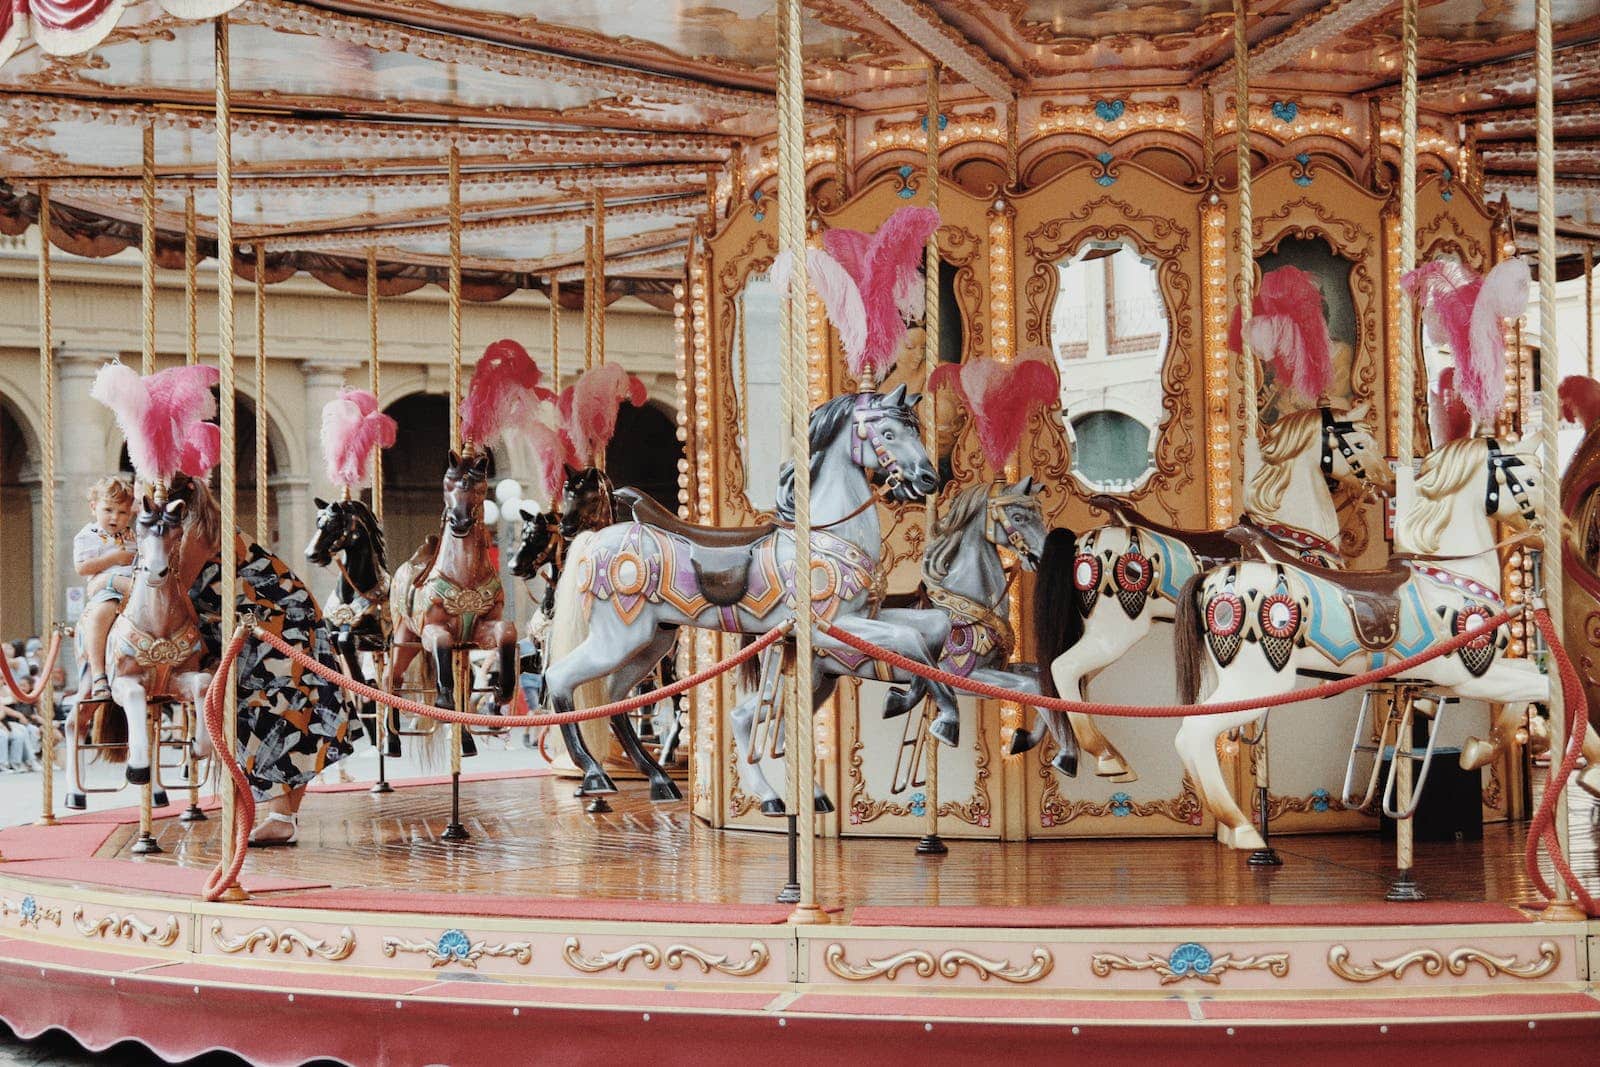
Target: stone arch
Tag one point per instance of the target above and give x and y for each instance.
(19, 519)
(646, 450)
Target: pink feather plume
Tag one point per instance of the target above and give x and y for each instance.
(1466, 313)
(883, 267)
(589, 407)
(1289, 332)
(1448, 418)
(1001, 396)
(505, 384)
(163, 418)
(842, 298)
(551, 453)
(1580, 400)
(351, 426)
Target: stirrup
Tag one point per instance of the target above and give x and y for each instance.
(100, 687)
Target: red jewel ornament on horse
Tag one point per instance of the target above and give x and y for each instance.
(154, 648)
(448, 594)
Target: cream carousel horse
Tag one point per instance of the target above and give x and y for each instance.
(1097, 600)
(154, 649)
(965, 580)
(1253, 627)
(625, 589)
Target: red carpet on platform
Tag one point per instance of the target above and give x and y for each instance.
(1375, 914)
(53, 842)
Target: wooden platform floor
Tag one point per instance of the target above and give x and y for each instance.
(532, 839)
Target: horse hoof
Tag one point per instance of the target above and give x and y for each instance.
(596, 783)
(1021, 741)
(469, 747)
(77, 802)
(946, 731)
(1477, 753)
(1066, 763)
(823, 805)
(138, 775)
(159, 799)
(391, 746)
(1114, 768)
(773, 807)
(1243, 838)
(665, 789)
(895, 705)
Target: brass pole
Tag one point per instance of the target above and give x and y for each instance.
(148, 248)
(47, 496)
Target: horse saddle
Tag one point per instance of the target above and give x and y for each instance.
(1372, 597)
(1206, 544)
(721, 555)
(422, 559)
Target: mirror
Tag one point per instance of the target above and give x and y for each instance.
(756, 388)
(1109, 332)
(1332, 272)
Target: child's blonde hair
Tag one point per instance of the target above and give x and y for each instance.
(113, 489)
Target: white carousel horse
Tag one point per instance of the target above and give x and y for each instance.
(965, 580)
(1253, 626)
(1095, 602)
(154, 649)
(626, 588)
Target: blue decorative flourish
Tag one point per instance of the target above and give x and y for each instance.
(905, 192)
(919, 804)
(453, 945)
(30, 909)
(1285, 111)
(1106, 176)
(1109, 110)
(944, 122)
(1303, 178)
(761, 209)
(1445, 192)
(1190, 958)
(1320, 800)
(1121, 804)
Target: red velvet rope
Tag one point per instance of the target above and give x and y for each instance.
(1169, 711)
(225, 875)
(47, 667)
(1543, 828)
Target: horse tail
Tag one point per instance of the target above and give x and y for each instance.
(750, 669)
(568, 629)
(111, 729)
(1188, 644)
(1057, 611)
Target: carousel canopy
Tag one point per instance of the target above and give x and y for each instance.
(345, 109)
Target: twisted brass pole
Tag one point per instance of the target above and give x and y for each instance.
(147, 237)
(455, 297)
(372, 378)
(263, 534)
(47, 496)
(191, 289)
(930, 845)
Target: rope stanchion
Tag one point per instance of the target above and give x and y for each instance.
(47, 666)
(1542, 830)
(1170, 711)
(226, 874)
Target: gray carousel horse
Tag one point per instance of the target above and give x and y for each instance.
(627, 588)
(965, 581)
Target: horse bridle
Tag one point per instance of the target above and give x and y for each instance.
(865, 420)
(1501, 470)
(1001, 531)
(1333, 437)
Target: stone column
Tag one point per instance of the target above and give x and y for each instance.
(87, 446)
(292, 493)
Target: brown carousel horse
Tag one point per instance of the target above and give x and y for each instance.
(448, 594)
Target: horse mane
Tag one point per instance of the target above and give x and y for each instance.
(1444, 472)
(944, 544)
(1284, 440)
(203, 518)
(826, 422)
(369, 524)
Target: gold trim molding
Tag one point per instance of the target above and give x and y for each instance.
(1190, 961)
(129, 928)
(284, 942)
(1434, 963)
(674, 956)
(948, 964)
(453, 946)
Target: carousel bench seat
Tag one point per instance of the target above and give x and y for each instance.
(645, 509)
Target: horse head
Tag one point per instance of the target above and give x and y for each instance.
(158, 530)
(886, 442)
(336, 530)
(540, 542)
(466, 486)
(1016, 521)
(1512, 489)
(586, 501)
(1350, 451)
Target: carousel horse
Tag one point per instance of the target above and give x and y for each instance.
(154, 650)
(348, 537)
(448, 594)
(1253, 626)
(1098, 599)
(964, 579)
(627, 587)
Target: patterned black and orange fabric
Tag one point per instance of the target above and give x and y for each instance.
(292, 724)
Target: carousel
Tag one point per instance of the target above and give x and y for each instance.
(1061, 389)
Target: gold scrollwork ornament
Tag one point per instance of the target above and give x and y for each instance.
(284, 942)
(674, 956)
(1433, 963)
(948, 964)
(128, 928)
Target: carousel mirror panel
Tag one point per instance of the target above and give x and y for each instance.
(1332, 274)
(757, 387)
(1109, 332)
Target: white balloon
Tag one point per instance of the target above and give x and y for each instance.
(491, 513)
(508, 492)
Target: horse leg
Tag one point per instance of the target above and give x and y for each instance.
(130, 696)
(401, 652)
(754, 782)
(1589, 777)
(77, 796)
(1196, 743)
(1103, 643)
(1506, 721)
(662, 787)
(345, 641)
(441, 647)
